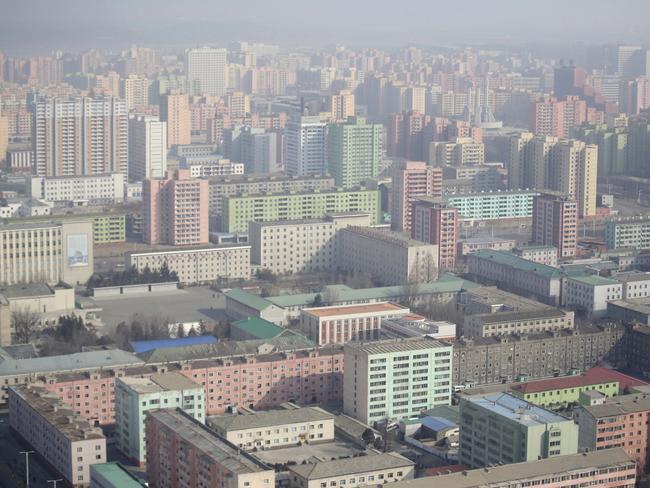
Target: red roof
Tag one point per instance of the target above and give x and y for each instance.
(593, 376)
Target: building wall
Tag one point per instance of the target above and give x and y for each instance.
(493, 206)
(412, 179)
(486, 325)
(97, 189)
(565, 396)
(358, 478)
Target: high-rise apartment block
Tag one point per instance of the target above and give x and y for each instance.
(80, 136)
(354, 151)
(305, 146)
(147, 147)
(555, 223)
(395, 379)
(503, 429)
(175, 111)
(134, 90)
(437, 223)
(206, 71)
(175, 210)
(412, 179)
(340, 105)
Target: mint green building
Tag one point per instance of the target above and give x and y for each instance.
(354, 151)
(501, 428)
(113, 475)
(107, 227)
(238, 211)
(493, 205)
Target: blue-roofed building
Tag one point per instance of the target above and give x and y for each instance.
(143, 346)
(436, 426)
(502, 428)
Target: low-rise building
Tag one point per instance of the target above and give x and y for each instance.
(113, 475)
(341, 324)
(252, 328)
(180, 448)
(591, 293)
(100, 189)
(501, 428)
(623, 234)
(241, 304)
(390, 257)
(636, 284)
(204, 264)
(276, 428)
(539, 254)
(634, 310)
(67, 442)
(413, 325)
(601, 469)
(473, 244)
(212, 165)
(395, 378)
(135, 397)
(371, 470)
(505, 323)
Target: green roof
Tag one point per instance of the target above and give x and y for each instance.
(248, 299)
(116, 475)
(509, 259)
(595, 280)
(258, 328)
(445, 284)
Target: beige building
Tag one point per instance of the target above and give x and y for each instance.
(464, 151)
(4, 137)
(199, 264)
(371, 470)
(274, 429)
(175, 110)
(341, 324)
(134, 90)
(390, 257)
(573, 170)
(300, 246)
(66, 441)
(519, 322)
(46, 252)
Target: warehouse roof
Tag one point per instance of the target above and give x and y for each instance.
(509, 259)
(116, 475)
(144, 346)
(349, 466)
(258, 327)
(271, 418)
(249, 299)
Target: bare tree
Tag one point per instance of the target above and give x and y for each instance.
(25, 323)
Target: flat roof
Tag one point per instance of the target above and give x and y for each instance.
(211, 445)
(518, 315)
(160, 382)
(509, 259)
(360, 309)
(116, 474)
(593, 376)
(396, 345)
(270, 418)
(500, 475)
(349, 466)
(249, 299)
(26, 290)
(595, 280)
(516, 409)
(632, 276)
(258, 327)
(398, 238)
(144, 346)
(187, 250)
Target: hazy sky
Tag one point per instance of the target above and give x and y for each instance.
(43, 25)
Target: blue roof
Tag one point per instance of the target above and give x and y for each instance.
(436, 424)
(144, 346)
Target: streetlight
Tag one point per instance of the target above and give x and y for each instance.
(26, 453)
(54, 481)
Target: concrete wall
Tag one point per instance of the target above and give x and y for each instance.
(111, 291)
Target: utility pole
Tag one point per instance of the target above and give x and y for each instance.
(54, 481)
(26, 453)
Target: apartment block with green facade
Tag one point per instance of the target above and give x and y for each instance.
(107, 227)
(503, 429)
(239, 210)
(354, 151)
(493, 205)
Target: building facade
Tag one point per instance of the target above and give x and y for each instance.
(412, 179)
(555, 223)
(98, 189)
(437, 223)
(305, 149)
(147, 147)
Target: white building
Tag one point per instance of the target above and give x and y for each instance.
(19, 208)
(101, 189)
(147, 147)
(636, 284)
(590, 293)
(203, 264)
(213, 165)
(135, 396)
(206, 71)
(539, 254)
(395, 378)
(305, 146)
(413, 325)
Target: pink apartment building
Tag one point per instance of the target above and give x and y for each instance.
(437, 223)
(175, 210)
(412, 179)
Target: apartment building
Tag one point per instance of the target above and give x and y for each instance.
(70, 444)
(555, 223)
(46, 252)
(634, 234)
(342, 324)
(437, 223)
(135, 397)
(99, 189)
(300, 246)
(412, 179)
(620, 422)
(392, 258)
(275, 428)
(107, 226)
(636, 284)
(538, 254)
(203, 264)
(395, 379)
(228, 186)
(493, 205)
(372, 470)
(181, 448)
(501, 428)
(212, 165)
(519, 322)
(591, 293)
(609, 469)
(239, 211)
(464, 151)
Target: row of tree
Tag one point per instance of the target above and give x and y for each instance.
(132, 276)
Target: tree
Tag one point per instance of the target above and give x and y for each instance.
(25, 324)
(318, 300)
(368, 436)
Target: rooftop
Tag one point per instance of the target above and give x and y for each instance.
(349, 466)
(498, 476)
(47, 405)
(211, 446)
(116, 474)
(258, 328)
(271, 418)
(160, 382)
(516, 409)
(370, 308)
(594, 376)
(144, 346)
(397, 238)
(632, 276)
(395, 345)
(26, 290)
(249, 299)
(499, 317)
(594, 280)
(257, 178)
(509, 259)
